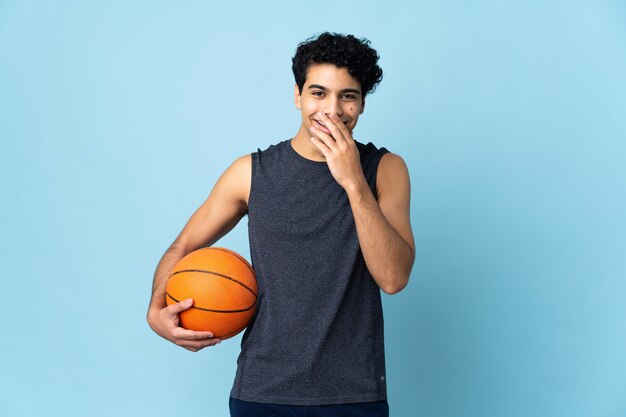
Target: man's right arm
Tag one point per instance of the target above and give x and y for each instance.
(222, 210)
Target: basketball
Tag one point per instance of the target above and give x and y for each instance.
(223, 287)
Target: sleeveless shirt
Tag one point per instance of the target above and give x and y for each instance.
(317, 336)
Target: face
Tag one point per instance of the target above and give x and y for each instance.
(329, 90)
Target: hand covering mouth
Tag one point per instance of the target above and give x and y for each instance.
(321, 123)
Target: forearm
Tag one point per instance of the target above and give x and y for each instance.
(164, 319)
(388, 257)
(170, 258)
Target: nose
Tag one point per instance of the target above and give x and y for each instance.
(333, 106)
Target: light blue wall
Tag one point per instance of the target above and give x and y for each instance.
(117, 117)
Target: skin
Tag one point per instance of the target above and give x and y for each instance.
(330, 104)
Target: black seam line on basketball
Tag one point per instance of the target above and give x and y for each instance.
(218, 274)
(210, 310)
(238, 256)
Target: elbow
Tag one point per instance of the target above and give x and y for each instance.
(395, 286)
(396, 280)
(180, 244)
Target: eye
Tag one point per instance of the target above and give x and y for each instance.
(318, 93)
(349, 97)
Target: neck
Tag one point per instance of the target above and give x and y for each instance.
(302, 144)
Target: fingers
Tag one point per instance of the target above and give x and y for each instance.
(323, 139)
(345, 133)
(338, 130)
(195, 346)
(321, 145)
(174, 309)
(194, 340)
(182, 333)
(339, 137)
(167, 325)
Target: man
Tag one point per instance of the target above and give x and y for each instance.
(329, 228)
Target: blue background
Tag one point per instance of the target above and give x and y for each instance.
(117, 117)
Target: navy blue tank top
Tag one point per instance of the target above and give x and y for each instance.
(317, 337)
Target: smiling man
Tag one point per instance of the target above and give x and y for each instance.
(329, 228)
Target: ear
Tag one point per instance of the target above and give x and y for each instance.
(297, 97)
(362, 107)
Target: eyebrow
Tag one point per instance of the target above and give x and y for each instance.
(345, 90)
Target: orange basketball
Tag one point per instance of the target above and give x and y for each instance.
(223, 287)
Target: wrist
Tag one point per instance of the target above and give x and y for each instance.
(357, 188)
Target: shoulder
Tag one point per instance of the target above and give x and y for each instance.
(242, 163)
(235, 181)
(393, 163)
(239, 169)
(393, 174)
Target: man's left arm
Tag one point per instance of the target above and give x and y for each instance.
(383, 226)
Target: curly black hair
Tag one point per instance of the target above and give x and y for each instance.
(344, 51)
